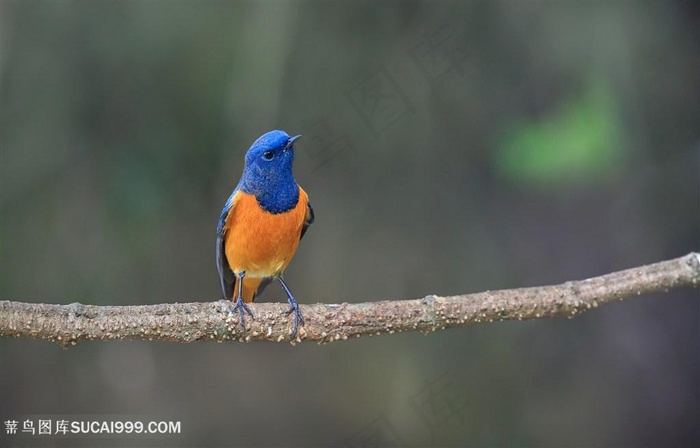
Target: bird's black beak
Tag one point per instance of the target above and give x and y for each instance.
(291, 141)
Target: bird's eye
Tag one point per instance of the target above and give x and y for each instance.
(268, 155)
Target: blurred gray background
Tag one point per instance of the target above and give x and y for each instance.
(448, 148)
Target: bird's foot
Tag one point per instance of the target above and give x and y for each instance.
(242, 309)
(298, 318)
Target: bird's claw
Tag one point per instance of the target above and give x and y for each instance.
(242, 309)
(298, 318)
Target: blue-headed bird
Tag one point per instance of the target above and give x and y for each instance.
(261, 225)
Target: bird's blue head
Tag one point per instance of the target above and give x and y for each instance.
(268, 172)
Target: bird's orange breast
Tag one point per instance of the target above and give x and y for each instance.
(261, 243)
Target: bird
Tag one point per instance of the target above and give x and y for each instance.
(261, 225)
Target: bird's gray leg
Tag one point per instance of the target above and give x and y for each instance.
(293, 306)
(240, 304)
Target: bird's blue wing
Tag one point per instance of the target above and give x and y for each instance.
(226, 276)
(309, 219)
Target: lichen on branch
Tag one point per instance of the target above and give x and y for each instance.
(212, 321)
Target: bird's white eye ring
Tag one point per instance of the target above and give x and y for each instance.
(268, 155)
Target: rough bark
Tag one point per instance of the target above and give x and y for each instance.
(211, 321)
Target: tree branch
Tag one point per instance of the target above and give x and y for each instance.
(210, 321)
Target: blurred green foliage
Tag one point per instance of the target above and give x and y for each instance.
(580, 142)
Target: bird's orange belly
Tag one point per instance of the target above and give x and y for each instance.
(260, 243)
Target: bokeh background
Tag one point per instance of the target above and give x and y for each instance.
(448, 148)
